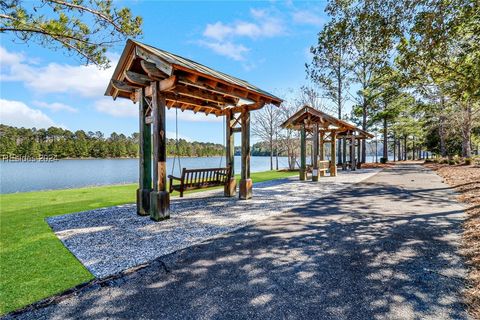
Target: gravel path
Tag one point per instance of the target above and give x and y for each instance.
(110, 240)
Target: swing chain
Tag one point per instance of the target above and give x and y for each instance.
(177, 148)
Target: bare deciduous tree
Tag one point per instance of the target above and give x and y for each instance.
(266, 126)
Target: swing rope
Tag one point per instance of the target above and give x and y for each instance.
(176, 155)
(177, 148)
(224, 147)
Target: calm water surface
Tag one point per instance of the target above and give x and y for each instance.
(63, 174)
(30, 176)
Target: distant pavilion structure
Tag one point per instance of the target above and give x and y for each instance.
(324, 128)
(160, 80)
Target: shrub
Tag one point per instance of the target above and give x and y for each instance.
(452, 162)
(429, 160)
(468, 161)
(444, 161)
(383, 160)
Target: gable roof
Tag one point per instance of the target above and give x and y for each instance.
(209, 80)
(326, 121)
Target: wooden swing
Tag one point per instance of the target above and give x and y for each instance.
(192, 179)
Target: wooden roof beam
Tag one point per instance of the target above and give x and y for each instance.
(195, 92)
(160, 64)
(165, 85)
(190, 101)
(122, 86)
(186, 80)
(137, 78)
(152, 70)
(196, 108)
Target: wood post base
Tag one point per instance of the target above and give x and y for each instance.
(246, 189)
(143, 201)
(315, 174)
(303, 175)
(159, 205)
(333, 170)
(230, 189)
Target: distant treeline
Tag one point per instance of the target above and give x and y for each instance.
(64, 143)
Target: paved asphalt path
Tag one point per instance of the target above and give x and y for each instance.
(386, 248)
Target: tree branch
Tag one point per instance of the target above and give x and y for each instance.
(89, 10)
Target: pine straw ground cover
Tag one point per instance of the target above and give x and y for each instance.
(465, 179)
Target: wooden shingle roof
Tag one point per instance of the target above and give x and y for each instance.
(309, 116)
(188, 85)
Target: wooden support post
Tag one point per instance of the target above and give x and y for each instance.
(303, 154)
(359, 154)
(245, 190)
(352, 153)
(322, 150)
(344, 153)
(333, 153)
(315, 153)
(145, 158)
(231, 185)
(159, 197)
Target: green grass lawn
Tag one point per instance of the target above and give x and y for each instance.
(34, 263)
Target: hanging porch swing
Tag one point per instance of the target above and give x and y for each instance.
(192, 179)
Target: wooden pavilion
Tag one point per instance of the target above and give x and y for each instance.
(323, 129)
(159, 80)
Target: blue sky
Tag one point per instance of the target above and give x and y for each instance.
(265, 43)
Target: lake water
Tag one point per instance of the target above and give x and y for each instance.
(63, 174)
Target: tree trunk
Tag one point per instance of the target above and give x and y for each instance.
(441, 129)
(276, 151)
(405, 154)
(339, 105)
(271, 152)
(466, 131)
(385, 138)
(364, 127)
(413, 148)
(394, 148)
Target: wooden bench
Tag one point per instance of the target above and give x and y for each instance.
(192, 179)
(323, 166)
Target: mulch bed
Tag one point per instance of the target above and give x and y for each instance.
(371, 165)
(466, 181)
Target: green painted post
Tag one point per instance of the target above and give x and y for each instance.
(145, 161)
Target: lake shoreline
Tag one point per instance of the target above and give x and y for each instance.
(19, 177)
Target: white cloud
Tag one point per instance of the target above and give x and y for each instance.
(222, 38)
(171, 135)
(119, 108)
(307, 17)
(217, 31)
(228, 49)
(86, 81)
(18, 114)
(262, 26)
(9, 58)
(55, 106)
